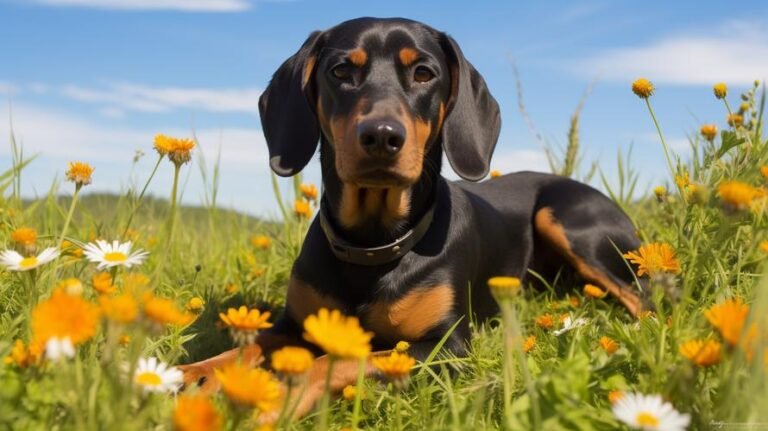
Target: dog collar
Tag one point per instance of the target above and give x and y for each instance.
(370, 256)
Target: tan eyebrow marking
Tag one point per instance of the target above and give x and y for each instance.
(358, 57)
(408, 56)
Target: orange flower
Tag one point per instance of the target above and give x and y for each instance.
(735, 120)
(709, 132)
(195, 413)
(728, 318)
(615, 396)
(764, 171)
(302, 209)
(495, 173)
(121, 309)
(545, 321)
(610, 346)
(654, 259)
(79, 173)
(65, 316)
(25, 236)
(261, 241)
(247, 386)
(737, 195)
(102, 283)
(529, 344)
(720, 90)
(643, 88)
(702, 353)
(309, 191)
(161, 311)
(594, 291)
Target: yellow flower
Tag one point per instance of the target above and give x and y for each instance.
(102, 283)
(735, 120)
(610, 346)
(660, 192)
(728, 318)
(338, 335)
(737, 195)
(402, 346)
(182, 151)
(124, 340)
(244, 325)
(195, 304)
(764, 171)
(23, 356)
(261, 241)
(247, 386)
(164, 312)
(744, 107)
(25, 236)
(64, 316)
(309, 191)
(302, 209)
(163, 144)
(195, 413)
(545, 321)
(764, 246)
(529, 344)
(682, 181)
(292, 361)
(72, 249)
(135, 281)
(396, 367)
(642, 88)
(231, 288)
(495, 173)
(71, 285)
(654, 258)
(79, 173)
(615, 396)
(503, 288)
(349, 392)
(594, 291)
(720, 90)
(709, 132)
(701, 353)
(122, 308)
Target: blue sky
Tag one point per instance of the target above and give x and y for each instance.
(94, 80)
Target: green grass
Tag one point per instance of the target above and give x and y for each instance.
(563, 383)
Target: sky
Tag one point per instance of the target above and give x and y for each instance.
(95, 80)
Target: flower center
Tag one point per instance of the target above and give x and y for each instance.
(115, 256)
(647, 419)
(28, 262)
(148, 379)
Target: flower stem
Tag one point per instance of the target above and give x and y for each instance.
(325, 401)
(138, 200)
(174, 191)
(69, 216)
(664, 145)
(287, 401)
(358, 394)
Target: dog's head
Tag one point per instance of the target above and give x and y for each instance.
(382, 92)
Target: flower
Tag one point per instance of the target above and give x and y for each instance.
(71, 249)
(649, 412)
(121, 309)
(569, 324)
(545, 321)
(71, 285)
(728, 318)
(701, 353)
(337, 335)
(135, 281)
(594, 291)
(182, 151)
(195, 413)
(195, 304)
(163, 311)
(58, 348)
(610, 346)
(116, 254)
(503, 288)
(261, 241)
(396, 367)
(529, 344)
(309, 191)
(156, 376)
(16, 262)
(682, 181)
(764, 171)
(247, 386)
(25, 236)
(763, 246)
(163, 144)
(654, 258)
(642, 88)
(349, 392)
(124, 340)
(64, 316)
(709, 132)
(292, 361)
(102, 283)
(735, 120)
(302, 209)
(660, 192)
(736, 194)
(614, 396)
(245, 324)
(402, 346)
(23, 356)
(720, 90)
(79, 173)
(495, 173)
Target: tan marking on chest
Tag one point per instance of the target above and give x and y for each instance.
(303, 299)
(412, 316)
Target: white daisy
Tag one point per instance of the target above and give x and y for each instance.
(157, 376)
(650, 412)
(116, 254)
(16, 262)
(569, 324)
(57, 348)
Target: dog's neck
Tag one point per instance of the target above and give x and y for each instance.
(373, 217)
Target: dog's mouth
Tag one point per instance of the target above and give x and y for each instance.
(381, 178)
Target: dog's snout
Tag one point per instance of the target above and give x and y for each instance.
(381, 138)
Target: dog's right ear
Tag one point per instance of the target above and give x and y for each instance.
(287, 111)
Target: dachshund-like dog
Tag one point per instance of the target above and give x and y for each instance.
(395, 244)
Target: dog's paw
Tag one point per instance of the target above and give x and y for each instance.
(201, 374)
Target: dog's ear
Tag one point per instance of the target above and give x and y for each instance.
(472, 124)
(287, 111)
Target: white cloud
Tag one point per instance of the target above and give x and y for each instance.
(144, 98)
(177, 5)
(736, 54)
(507, 162)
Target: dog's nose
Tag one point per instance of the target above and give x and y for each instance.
(381, 138)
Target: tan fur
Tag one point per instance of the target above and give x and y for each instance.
(305, 300)
(413, 315)
(309, 68)
(358, 57)
(408, 56)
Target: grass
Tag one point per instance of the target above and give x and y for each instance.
(563, 382)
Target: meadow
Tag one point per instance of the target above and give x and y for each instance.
(90, 329)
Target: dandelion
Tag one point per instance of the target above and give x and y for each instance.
(735, 120)
(570, 324)
(14, 261)
(701, 353)
(59, 348)
(253, 387)
(736, 194)
(610, 346)
(649, 412)
(122, 309)
(261, 241)
(244, 324)
(79, 173)
(195, 413)
(709, 132)
(309, 191)
(292, 361)
(24, 236)
(504, 288)
(102, 283)
(65, 316)
(116, 254)
(545, 321)
(163, 144)
(302, 209)
(529, 343)
(396, 367)
(654, 259)
(181, 152)
(340, 336)
(720, 90)
(402, 346)
(156, 376)
(71, 286)
(495, 173)
(728, 318)
(195, 304)
(162, 312)
(349, 392)
(643, 88)
(594, 292)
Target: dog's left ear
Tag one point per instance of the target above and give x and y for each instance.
(472, 124)
(287, 111)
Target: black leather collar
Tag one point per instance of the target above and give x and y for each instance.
(370, 256)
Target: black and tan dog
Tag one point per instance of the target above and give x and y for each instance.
(396, 244)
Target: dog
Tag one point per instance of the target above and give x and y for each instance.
(396, 244)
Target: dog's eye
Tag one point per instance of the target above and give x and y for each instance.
(423, 74)
(342, 71)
